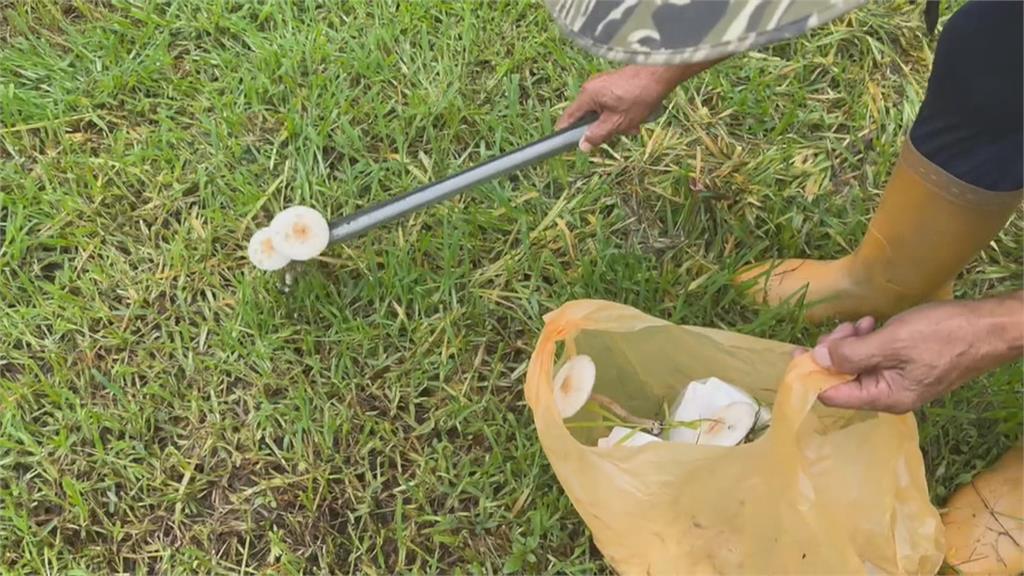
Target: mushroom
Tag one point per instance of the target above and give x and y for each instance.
(710, 402)
(729, 426)
(622, 436)
(574, 386)
(263, 254)
(300, 232)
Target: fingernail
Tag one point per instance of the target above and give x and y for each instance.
(585, 146)
(822, 357)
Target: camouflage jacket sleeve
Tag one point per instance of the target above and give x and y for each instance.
(685, 31)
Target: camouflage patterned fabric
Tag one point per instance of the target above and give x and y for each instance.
(684, 31)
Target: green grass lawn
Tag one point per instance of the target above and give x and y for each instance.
(164, 406)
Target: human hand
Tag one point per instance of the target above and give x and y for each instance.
(624, 98)
(920, 354)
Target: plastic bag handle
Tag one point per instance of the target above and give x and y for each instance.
(801, 384)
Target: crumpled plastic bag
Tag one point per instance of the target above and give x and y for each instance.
(823, 491)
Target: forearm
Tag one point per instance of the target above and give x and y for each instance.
(668, 77)
(998, 329)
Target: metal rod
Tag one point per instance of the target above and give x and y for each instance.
(348, 227)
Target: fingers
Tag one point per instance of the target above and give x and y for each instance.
(851, 348)
(583, 103)
(856, 348)
(864, 326)
(866, 394)
(854, 355)
(853, 395)
(599, 132)
(844, 330)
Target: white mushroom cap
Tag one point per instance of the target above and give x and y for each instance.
(300, 232)
(262, 253)
(573, 384)
(635, 438)
(728, 426)
(703, 399)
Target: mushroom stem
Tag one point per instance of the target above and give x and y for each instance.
(614, 407)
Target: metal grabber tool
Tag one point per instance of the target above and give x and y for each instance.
(348, 227)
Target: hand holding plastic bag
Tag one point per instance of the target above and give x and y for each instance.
(823, 491)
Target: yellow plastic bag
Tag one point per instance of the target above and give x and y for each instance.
(823, 491)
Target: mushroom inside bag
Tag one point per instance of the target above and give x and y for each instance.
(821, 491)
(712, 412)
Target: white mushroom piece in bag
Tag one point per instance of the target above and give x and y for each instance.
(725, 414)
(574, 387)
(622, 436)
(573, 384)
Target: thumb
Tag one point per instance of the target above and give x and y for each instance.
(852, 355)
(599, 132)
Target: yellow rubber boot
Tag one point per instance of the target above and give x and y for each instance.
(928, 226)
(985, 520)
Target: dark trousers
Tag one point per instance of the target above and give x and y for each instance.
(971, 122)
